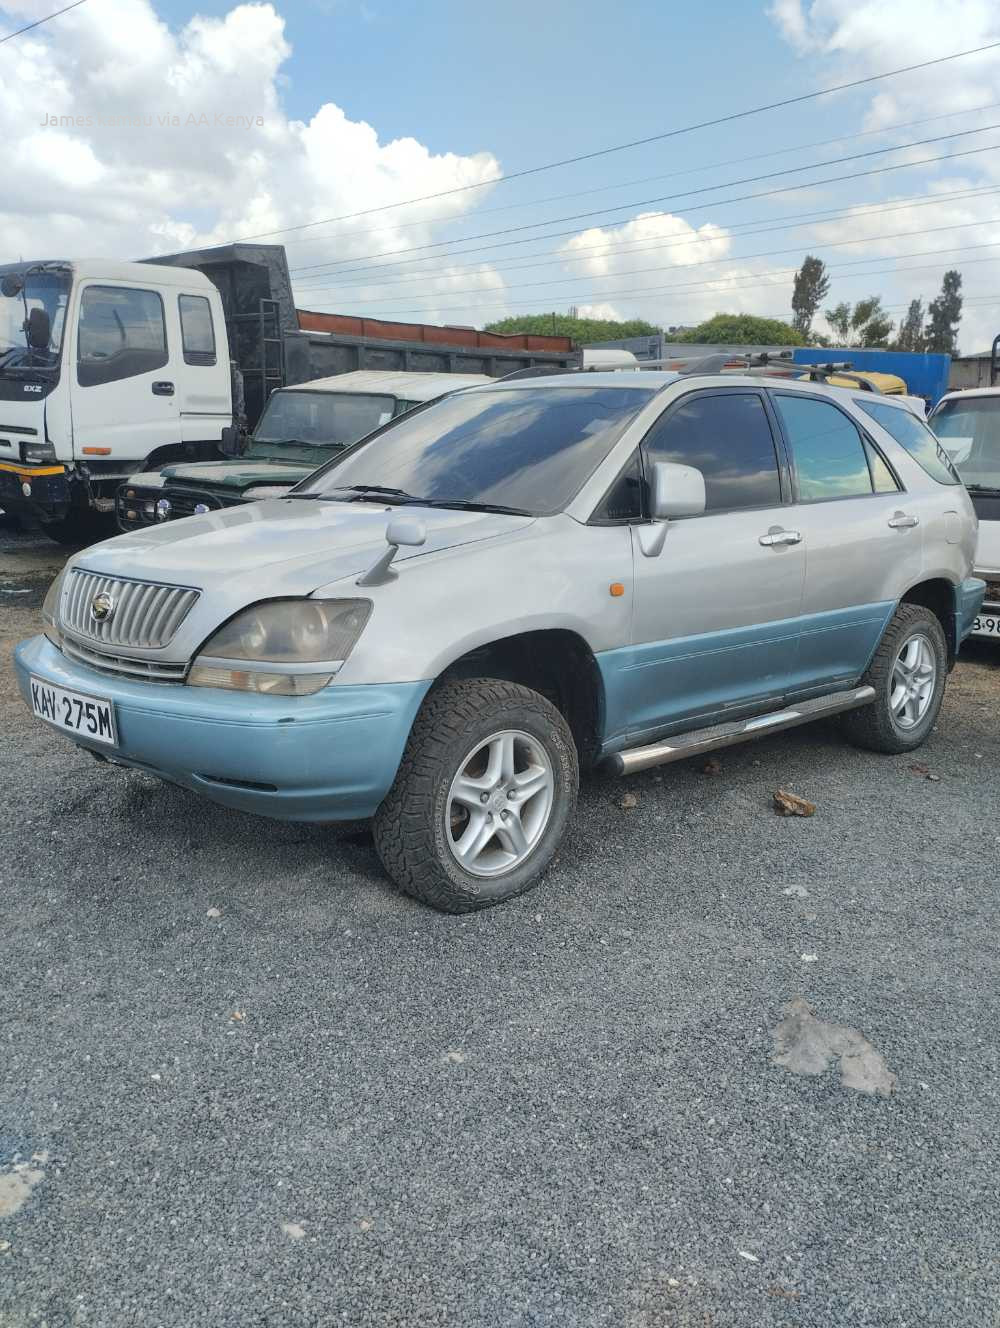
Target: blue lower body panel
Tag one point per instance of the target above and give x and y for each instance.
(328, 757)
(968, 602)
(658, 686)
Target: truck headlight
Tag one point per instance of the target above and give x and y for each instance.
(305, 641)
(50, 609)
(37, 453)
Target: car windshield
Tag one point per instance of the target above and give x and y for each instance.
(324, 420)
(22, 343)
(528, 448)
(969, 430)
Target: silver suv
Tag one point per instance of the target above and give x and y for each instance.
(443, 625)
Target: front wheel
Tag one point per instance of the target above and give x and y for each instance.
(908, 674)
(486, 787)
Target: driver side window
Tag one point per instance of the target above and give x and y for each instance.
(122, 334)
(727, 436)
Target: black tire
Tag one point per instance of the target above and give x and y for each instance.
(874, 726)
(80, 527)
(411, 833)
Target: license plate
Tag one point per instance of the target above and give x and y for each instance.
(73, 712)
(987, 624)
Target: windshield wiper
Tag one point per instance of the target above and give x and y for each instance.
(983, 488)
(362, 491)
(473, 505)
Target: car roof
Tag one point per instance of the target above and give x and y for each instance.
(654, 380)
(385, 382)
(959, 393)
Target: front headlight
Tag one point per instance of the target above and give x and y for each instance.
(50, 609)
(308, 639)
(37, 453)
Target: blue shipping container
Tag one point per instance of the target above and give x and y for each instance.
(924, 375)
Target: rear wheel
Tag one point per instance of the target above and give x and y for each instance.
(908, 673)
(482, 798)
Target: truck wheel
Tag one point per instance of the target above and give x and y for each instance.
(482, 798)
(79, 527)
(908, 673)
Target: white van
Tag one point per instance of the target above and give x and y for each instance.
(968, 427)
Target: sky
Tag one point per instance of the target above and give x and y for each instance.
(137, 127)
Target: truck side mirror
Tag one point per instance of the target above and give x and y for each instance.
(38, 329)
(676, 490)
(231, 442)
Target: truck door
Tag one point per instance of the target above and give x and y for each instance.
(202, 378)
(124, 401)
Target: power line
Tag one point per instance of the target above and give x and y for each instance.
(780, 278)
(641, 247)
(634, 143)
(663, 198)
(714, 203)
(711, 262)
(645, 179)
(39, 21)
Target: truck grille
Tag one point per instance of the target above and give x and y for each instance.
(122, 666)
(143, 613)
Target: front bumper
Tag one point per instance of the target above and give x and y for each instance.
(47, 497)
(135, 504)
(328, 757)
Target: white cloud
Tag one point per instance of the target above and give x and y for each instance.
(176, 176)
(858, 38)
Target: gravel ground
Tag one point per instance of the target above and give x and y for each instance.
(260, 1087)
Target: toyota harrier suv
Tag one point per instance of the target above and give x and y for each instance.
(441, 627)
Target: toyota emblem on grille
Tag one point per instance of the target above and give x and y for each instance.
(102, 607)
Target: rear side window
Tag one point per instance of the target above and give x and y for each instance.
(827, 449)
(728, 438)
(197, 332)
(122, 334)
(915, 436)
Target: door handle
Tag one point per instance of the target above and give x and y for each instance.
(902, 521)
(163, 389)
(777, 536)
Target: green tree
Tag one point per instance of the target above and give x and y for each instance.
(584, 331)
(812, 285)
(864, 324)
(744, 330)
(944, 315)
(911, 329)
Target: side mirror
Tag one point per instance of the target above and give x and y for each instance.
(675, 491)
(401, 530)
(38, 329)
(11, 284)
(408, 530)
(231, 442)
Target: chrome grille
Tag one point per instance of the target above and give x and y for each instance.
(152, 670)
(146, 615)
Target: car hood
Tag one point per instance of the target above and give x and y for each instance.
(280, 546)
(238, 474)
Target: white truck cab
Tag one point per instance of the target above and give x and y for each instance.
(106, 368)
(967, 424)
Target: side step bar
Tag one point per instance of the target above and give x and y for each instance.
(699, 741)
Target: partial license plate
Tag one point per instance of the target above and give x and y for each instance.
(89, 716)
(987, 624)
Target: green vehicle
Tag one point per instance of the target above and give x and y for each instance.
(300, 428)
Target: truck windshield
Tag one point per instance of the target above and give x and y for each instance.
(969, 431)
(327, 421)
(529, 448)
(23, 344)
